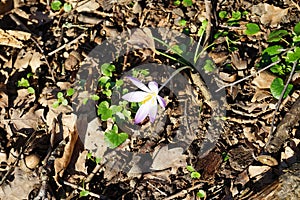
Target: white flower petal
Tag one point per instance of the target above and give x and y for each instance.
(142, 113)
(153, 111)
(161, 101)
(137, 96)
(139, 84)
(153, 86)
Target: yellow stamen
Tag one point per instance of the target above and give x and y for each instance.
(148, 97)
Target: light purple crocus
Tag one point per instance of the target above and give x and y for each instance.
(148, 97)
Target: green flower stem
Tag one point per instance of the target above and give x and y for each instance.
(173, 74)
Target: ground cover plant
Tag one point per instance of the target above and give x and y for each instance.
(180, 99)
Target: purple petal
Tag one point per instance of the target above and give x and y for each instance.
(137, 96)
(153, 112)
(161, 101)
(142, 113)
(153, 86)
(139, 84)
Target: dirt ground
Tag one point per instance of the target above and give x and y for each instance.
(227, 71)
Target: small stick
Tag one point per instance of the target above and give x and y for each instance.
(63, 46)
(279, 102)
(183, 192)
(249, 76)
(82, 189)
(161, 192)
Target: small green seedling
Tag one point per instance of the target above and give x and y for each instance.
(57, 5)
(61, 100)
(201, 194)
(113, 138)
(185, 3)
(194, 173)
(25, 83)
(89, 156)
(225, 156)
(252, 29)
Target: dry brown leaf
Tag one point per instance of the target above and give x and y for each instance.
(257, 170)
(20, 35)
(20, 187)
(70, 131)
(260, 95)
(8, 40)
(269, 14)
(142, 38)
(263, 80)
(164, 158)
(24, 99)
(80, 163)
(35, 61)
(22, 60)
(87, 6)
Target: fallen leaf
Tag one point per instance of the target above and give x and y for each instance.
(23, 60)
(164, 158)
(36, 61)
(257, 170)
(8, 40)
(142, 39)
(20, 187)
(70, 132)
(263, 80)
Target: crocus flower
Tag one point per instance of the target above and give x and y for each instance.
(148, 97)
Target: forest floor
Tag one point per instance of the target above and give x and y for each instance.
(227, 71)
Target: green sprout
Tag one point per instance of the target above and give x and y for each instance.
(194, 174)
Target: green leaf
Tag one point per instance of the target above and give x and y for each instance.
(29, 75)
(223, 14)
(293, 56)
(55, 104)
(145, 72)
(176, 49)
(70, 92)
(60, 95)
(276, 35)
(277, 86)
(67, 7)
(95, 97)
(108, 93)
(273, 50)
(23, 83)
(64, 102)
(201, 194)
(115, 139)
(56, 5)
(190, 168)
(30, 90)
(182, 22)
(187, 3)
(297, 28)
(209, 66)
(252, 29)
(126, 113)
(195, 175)
(98, 160)
(104, 111)
(177, 3)
(277, 69)
(107, 69)
(85, 100)
(89, 155)
(103, 80)
(119, 83)
(84, 193)
(115, 109)
(235, 16)
(225, 156)
(296, 38)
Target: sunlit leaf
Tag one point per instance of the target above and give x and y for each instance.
(297, 28)
(252, 29)
(56, 5)
(277, 87)
(113, 138)
(276, 35)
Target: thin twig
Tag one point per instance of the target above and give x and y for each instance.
(183, 192)
(208, 8)
(249, 76)
(82, 189)
(279, 102)
(68, 44)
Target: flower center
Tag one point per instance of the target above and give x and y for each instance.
(149, 97)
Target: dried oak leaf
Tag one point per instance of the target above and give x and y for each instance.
(9, 39)
(142, 39)
(263, 80)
